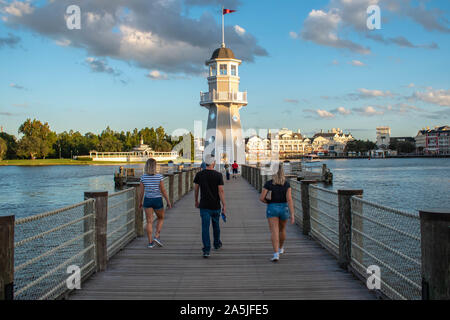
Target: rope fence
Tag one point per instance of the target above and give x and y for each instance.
(364, 234)
(46, 244)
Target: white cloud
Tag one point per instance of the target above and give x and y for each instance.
(16, 86)
(368, 111)
(153, 35)
(63, 42)
(439, 97)
(101, 65)
(293, 35)
(157, 75)
(294, 101)
(18, 9)
(366, 93)
(239, 30)
(357, 63)
(343, 111)
(322, 28)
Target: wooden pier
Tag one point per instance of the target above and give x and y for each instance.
(241, 269)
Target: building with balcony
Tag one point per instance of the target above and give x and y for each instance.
(332, 143)
(433, 141)
(383, 137)
(289, 144)
(257, 149)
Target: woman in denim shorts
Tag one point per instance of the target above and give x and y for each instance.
(152, 187)
(280, 208)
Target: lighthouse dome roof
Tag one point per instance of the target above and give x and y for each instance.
(223, 53)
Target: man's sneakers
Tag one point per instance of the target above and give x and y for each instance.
(276, 257)
(158, 242)
(205, 255)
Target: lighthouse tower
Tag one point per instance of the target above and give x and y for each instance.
(223, 100)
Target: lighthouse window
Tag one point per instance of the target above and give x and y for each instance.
(233, 70)
(223, 69)
(213, 71)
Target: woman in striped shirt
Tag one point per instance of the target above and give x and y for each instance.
(152, 186)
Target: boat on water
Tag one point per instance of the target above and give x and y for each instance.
(311, 158)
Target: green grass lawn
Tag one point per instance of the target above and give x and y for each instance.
(59, 162)
(56, 162)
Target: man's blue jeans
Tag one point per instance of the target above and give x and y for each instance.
(209, 216)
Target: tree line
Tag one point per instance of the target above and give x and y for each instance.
(39, 141)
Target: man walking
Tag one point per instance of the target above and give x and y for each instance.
(210, 184)
(235, 167)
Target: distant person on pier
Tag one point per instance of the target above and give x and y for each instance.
(152, 186)
(227, 170)
(210, 184)
(276, 193)
(235, 167)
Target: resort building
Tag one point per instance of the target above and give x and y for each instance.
(289, 144)
(140, 153)
(383, 137)
(433, 141)
(332, 142)
(257, 148)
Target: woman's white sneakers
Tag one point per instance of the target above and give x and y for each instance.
(281, 251)
(276, 257)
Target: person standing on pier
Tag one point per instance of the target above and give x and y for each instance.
(227, 170)
(210, 184)
(280, 208)
(235, 167)
(152, 186)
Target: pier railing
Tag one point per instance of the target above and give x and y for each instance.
(42, 255)
(410, 250)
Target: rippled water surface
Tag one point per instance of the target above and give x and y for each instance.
(409, 184)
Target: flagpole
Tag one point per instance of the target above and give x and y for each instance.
(223, 29)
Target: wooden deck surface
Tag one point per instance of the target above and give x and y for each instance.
(241, 269)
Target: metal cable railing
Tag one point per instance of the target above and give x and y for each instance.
(323, 204)
(390, 239)
(46, 244)
(121, 219)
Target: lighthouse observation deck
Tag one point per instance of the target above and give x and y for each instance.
(217, 97)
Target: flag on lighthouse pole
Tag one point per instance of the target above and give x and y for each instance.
(224, 12)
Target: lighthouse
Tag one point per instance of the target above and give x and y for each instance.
(224, 100)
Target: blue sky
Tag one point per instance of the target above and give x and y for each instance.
(307, 64)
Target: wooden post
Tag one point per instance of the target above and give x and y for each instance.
(435, 242)
(345, 225)
(259, 180)
(186, 181)
(306, 223)
(7, 257)
(180, 185)
(171, 182)
(101, 222)
(139, 216)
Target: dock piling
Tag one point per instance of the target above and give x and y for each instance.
(435, 243)
(7, 257)
(345, 225)
(101, 222)
(306, 223)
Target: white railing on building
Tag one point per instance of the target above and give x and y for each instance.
(208, 97)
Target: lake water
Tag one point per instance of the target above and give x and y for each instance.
(409, 184)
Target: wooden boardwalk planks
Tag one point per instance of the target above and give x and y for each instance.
(240, 270)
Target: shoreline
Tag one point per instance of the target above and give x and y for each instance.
(64, 162)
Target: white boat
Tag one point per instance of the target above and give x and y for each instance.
(311, 158)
